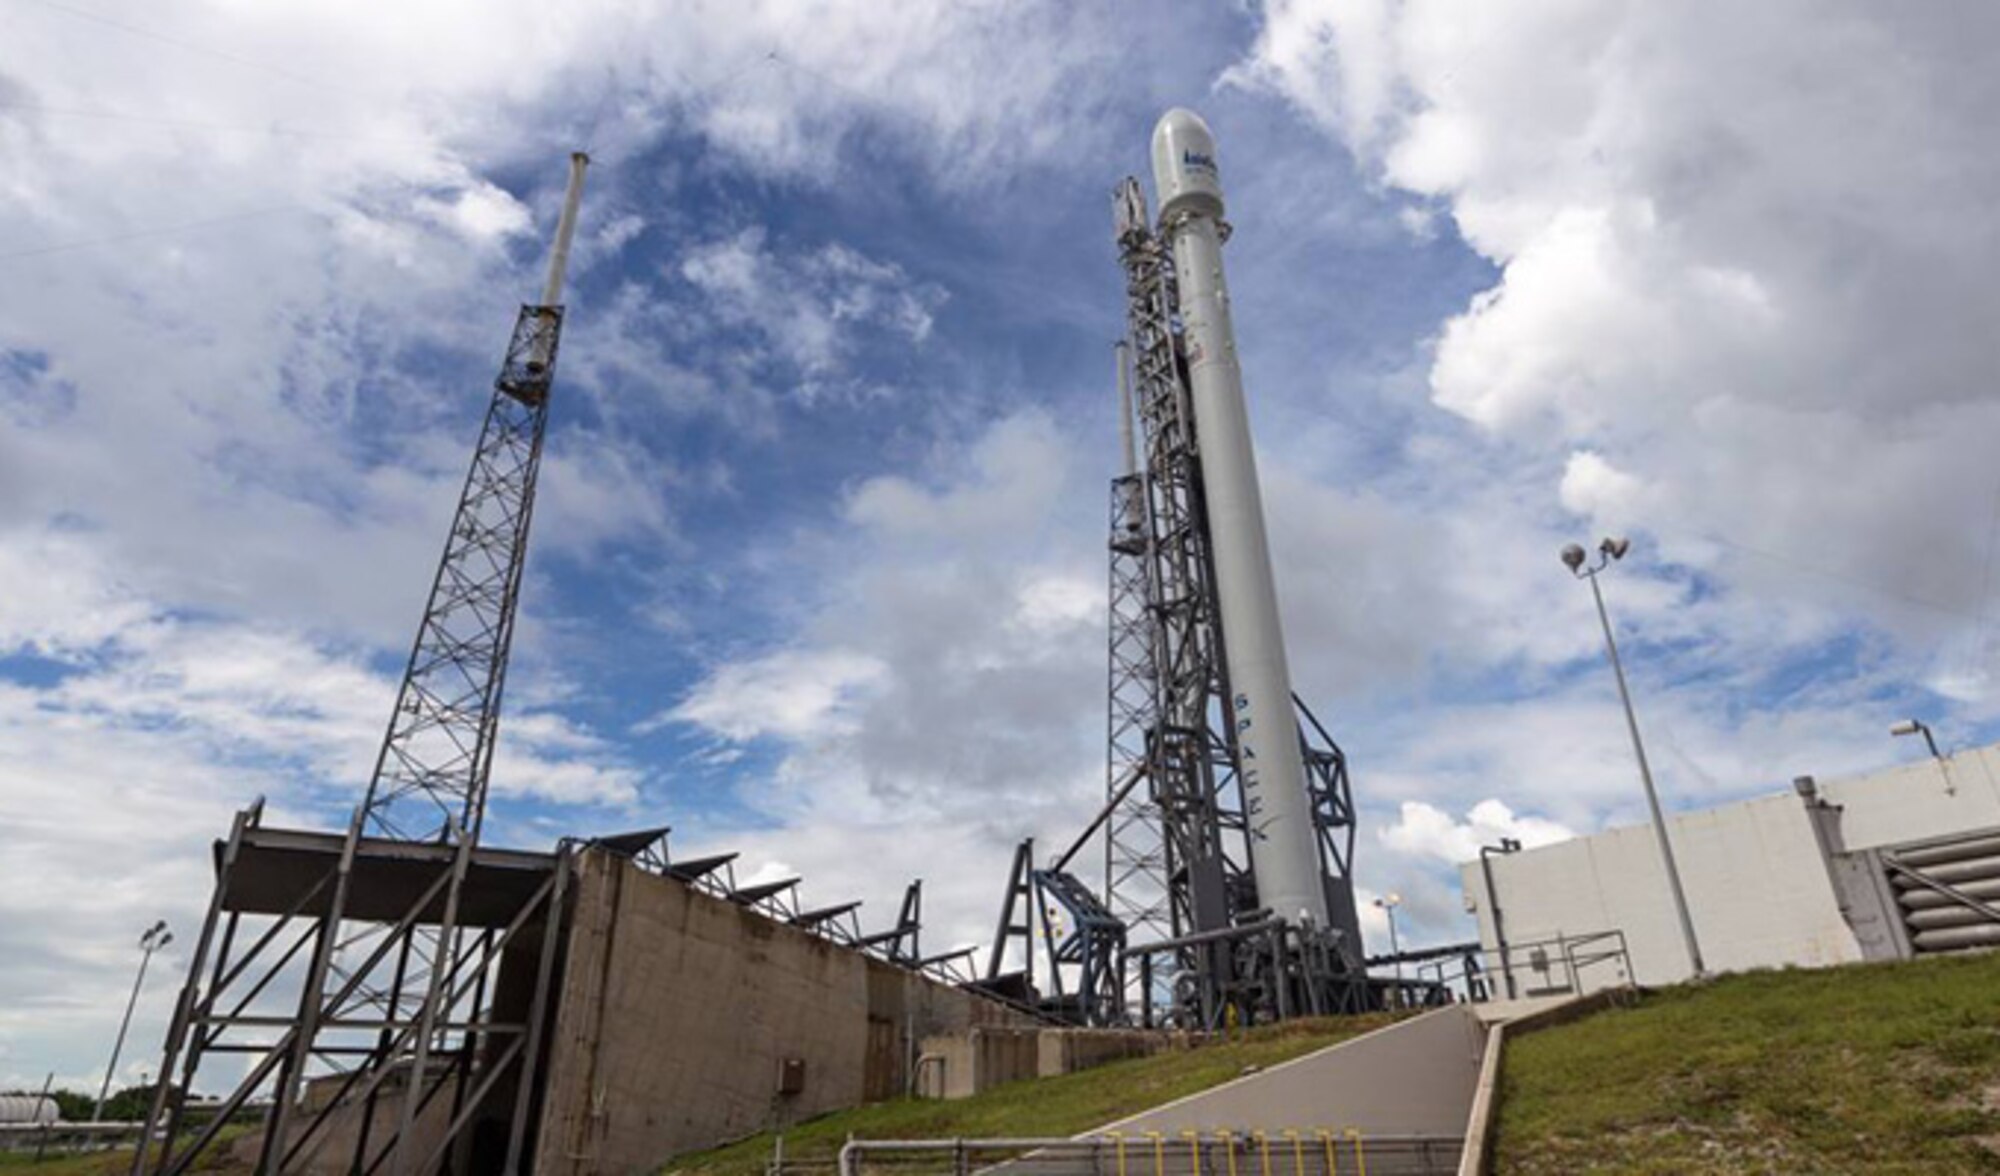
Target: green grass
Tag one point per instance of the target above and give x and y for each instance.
(1047, 1107)
(1870, 1068)
(117, 1161)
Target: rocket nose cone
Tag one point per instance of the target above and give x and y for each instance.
(1184, 170)
(1180, 122)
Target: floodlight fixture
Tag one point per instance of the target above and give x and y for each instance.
(1918, 727)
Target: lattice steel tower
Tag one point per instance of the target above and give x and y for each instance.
(431, 776)
(376, 961)
(1136, 885)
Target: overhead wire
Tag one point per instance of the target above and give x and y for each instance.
(162, 231)
(1881, 590)
(1975, 653)
(188, 46)
(187, 124)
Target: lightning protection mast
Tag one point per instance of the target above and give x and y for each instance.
(405, 922)
(431, 775)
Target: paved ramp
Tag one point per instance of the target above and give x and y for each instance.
(1416, 1077)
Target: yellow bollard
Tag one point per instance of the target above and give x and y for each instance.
(1332, 1160)
(1159, 1153)
(1229, 1143)
(1360, 1157)
(1263, 1151)
(1194, 1149)
(1298, 1153)
(1118, 1142)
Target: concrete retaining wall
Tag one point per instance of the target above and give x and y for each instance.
(1483, 1121)
(1757, 886)
(960, 1065)
(676, 1010)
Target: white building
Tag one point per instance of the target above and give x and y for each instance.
(1906, 860)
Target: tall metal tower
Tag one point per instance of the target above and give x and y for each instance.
(421, 964)
(1136, 869)
(1189, 762)
(431, 775)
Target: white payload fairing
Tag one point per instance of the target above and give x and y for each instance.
(1285, 855)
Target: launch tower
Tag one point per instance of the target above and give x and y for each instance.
(1228, 826)
(1231, 827)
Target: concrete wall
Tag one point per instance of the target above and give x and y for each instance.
(1756, 884)
(1065, 1051)
(960, 1065)
(330, 1151)
(676, 1009)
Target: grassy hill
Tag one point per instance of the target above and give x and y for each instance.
(1871, 1068)
(1048, 1107)
(116, 1161)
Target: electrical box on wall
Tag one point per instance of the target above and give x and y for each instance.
(791, 1075)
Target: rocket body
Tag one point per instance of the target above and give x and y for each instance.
(1285, 853)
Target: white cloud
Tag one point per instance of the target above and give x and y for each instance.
(1740, 260)
(940, 696)
(1429, 831)
(1596, 489)
(813, 308)
(791, 694)
(481, 212)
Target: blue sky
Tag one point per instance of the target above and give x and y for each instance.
(818, 563)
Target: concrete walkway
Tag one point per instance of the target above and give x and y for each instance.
(1416, 1077)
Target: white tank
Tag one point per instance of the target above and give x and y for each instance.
(1285, 849)
(28, 1109)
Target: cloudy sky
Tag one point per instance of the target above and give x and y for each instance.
(818, 567)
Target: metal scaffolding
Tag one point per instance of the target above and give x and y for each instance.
(361, 1065)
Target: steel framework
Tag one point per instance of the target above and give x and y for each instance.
(399, 1084)
(414, 991)
(431, 774)
(1077, 931)
(1135, 853)
(1190, 757)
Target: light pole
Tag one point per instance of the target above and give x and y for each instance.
(1608, 550)
(1919, 727)
(1389, 902)
(1486, 852)
(156, 937)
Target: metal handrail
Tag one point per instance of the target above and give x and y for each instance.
(1313, 1151)
(1571, 956)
